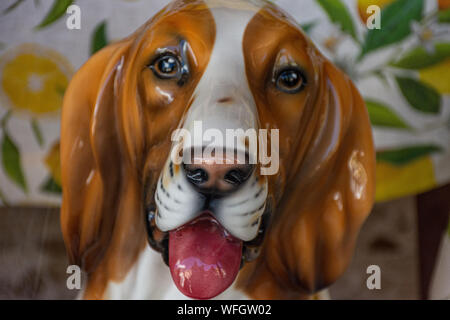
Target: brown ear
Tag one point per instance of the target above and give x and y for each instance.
(312, 235)
(96, 170)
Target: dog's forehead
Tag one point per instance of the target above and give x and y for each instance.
(181, 7)
(249, 5)
(227, 12)
(225, 75)
(251, 26)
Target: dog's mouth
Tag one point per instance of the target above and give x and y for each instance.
(203, 257)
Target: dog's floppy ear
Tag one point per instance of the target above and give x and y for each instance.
(312, 235)
(101, 194)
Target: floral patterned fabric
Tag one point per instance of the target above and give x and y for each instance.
(402, 71)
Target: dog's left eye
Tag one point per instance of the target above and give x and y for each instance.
(166, 67)
(290, 81)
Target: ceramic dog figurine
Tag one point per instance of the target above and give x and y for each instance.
(224, 223)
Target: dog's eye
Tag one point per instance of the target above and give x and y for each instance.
(290, 81)
(166, 67)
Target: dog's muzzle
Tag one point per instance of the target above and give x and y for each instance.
(207, 219)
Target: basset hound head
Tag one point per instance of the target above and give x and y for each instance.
(146, 156)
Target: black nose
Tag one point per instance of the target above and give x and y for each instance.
(237, 176)
(219, 177)
(196, 176)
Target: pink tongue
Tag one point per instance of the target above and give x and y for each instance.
(203, 258)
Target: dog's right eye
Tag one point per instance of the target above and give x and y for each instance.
(166, 67)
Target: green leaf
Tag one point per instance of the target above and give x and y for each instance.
(382, 115)
(404, 155)
(57, 10)
(12, 6)
(37, 132)
(3, 199)
(338, 13)
(99, 38)
(60, 90)
(420, 96)
(419, 58)
(11, 162)
(444, 16)
(51, 186)
(307, 27)
(396, 19)
(5, 118)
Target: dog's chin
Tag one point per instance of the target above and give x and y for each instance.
(203, 257)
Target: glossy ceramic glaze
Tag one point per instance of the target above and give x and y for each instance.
(121, 187)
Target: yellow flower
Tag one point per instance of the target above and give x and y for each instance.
(33, 78)
(53, 163)
(437, 76)
(363, 4)
(397, 181)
